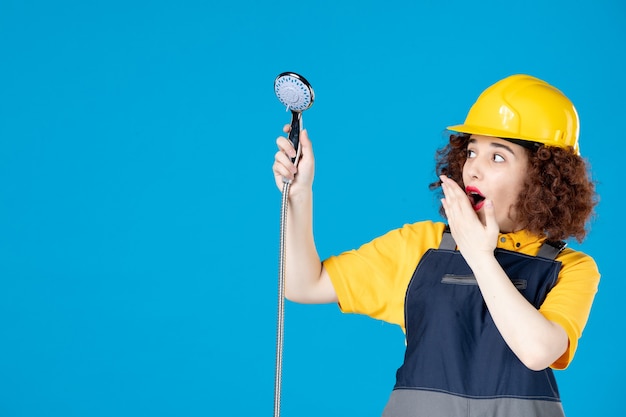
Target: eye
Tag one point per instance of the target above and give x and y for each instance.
(470, 153)
(498, 158)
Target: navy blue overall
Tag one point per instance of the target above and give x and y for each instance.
(456, 362)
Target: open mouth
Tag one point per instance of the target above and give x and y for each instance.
(476, 198)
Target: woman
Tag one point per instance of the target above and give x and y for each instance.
(492, 300)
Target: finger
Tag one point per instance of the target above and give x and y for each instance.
(451, 198)
(287, 128)
(282, 171)
(456, 196)
(283, 160)
(444, 204)
(305, 142)
(444, 201)
(490, 216)
(451, 187)
(306, 160)
(286, 146)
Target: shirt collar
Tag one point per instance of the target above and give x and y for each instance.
(520, 241)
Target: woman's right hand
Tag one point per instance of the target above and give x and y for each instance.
(300, 176)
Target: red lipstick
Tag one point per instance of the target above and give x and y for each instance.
(477, 199)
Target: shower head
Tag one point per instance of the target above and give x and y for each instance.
(294, 91)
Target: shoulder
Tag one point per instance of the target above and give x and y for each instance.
(578, 266)
(425, 231)
(403, 243)
(572, 258)
(421, 235)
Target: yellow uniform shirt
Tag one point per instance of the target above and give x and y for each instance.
(373, 279)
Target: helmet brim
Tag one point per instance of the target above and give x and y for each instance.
(485, 131)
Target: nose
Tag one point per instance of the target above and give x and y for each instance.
(474, 167)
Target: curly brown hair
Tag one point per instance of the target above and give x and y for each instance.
(558, 198)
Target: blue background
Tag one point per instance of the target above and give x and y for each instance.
(139, 219)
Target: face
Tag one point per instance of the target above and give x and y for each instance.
(495, 169)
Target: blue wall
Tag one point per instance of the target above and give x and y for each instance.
(139, 218)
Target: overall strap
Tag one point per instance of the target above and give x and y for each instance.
(549, 249)
(447, 241)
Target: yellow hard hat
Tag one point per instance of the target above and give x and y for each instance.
(524, 108)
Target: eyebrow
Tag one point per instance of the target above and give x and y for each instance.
(496, 145)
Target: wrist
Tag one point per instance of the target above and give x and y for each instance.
(299, 196)
(480, 261)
